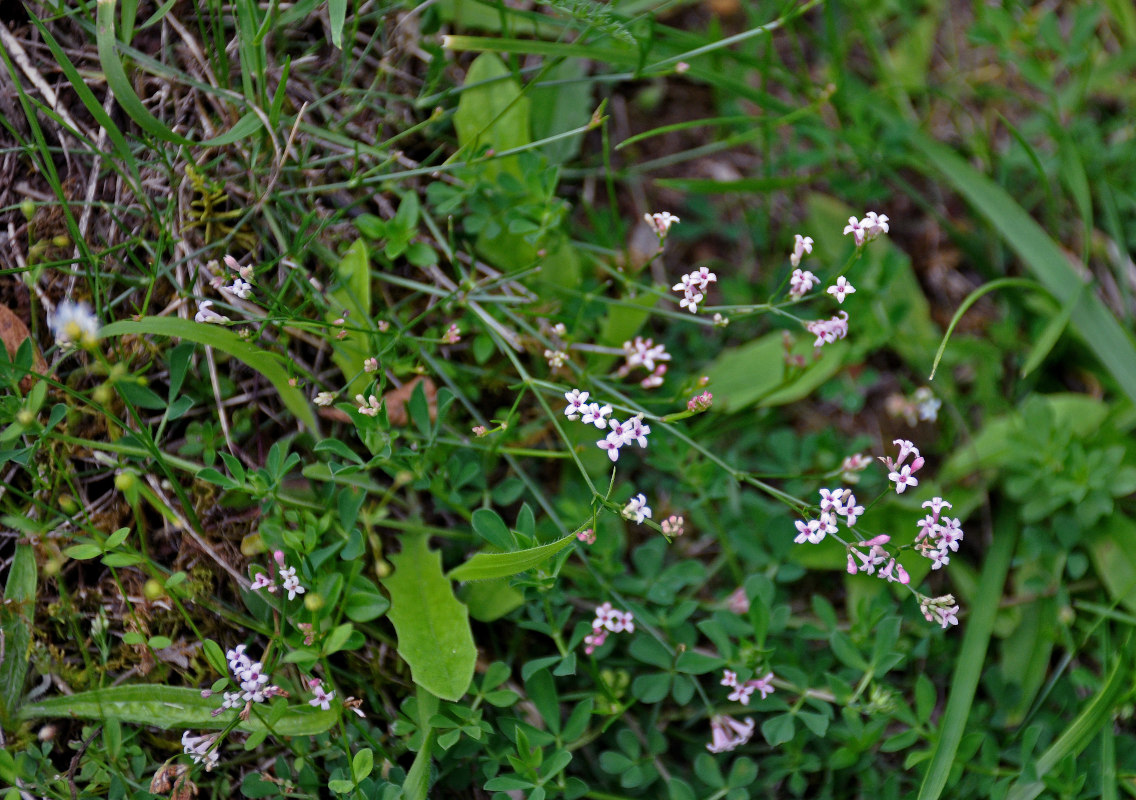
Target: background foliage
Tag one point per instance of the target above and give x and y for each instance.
(390, 170)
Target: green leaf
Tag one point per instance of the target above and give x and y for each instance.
(173, 707)
(352, 294)
(1113, 550)
(486, 566)
(123, 89)
(488, 524)
(1095, 717)
(1111, 343)
(492, 113)
(82, 552)
(362, 764)
(337, 15)
(490, 600)
(778, 730)
(226, 341)
(16, 619)
(695, 663)
(337, 638)
(364, 602)
(433, 630)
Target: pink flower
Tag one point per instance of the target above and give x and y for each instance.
(673, 525)
(800, 282)
(322, 698)
(729, 678)
(936, 504)
(637, 431)
(700, 402)
(726, 733)
(611, 444)
(587, 536)
(764, 685)
(741, 693)
(828, 331)
(262, 581)
(595, 414)
(738, 602)
(801, 246)
(637, 509)
(809, 531)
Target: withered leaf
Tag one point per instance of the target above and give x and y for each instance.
(396, 400)
(13, 331)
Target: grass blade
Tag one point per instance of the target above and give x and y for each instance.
(968, 669)
(228, 342)
(1041, 255)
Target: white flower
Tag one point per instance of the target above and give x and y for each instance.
(556, 358)
(841, 288)
(290, 582)
(595, 414)
(74, 325)
(324, 398)
(371, 365)
(661, 222)
(368, 405)
(198, 748)
(206, 314)
(637, 509)
(576, 404)
(241, 288)
(637, 431)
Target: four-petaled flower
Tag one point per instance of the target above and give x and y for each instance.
(801, 246)
(841, 288)
(637, 509)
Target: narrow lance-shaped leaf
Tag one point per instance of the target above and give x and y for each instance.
(486, 566)
(433, 630)
(227, 342)
(173, 707)
(16, 617)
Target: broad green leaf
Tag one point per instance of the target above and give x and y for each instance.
(563, 106)
(434, 636)
(490, 600)
(16, 619)
(486, 566)
(977, 627)
(174, 707)
(228, 342)
(492, 112)
(488, 524)
(1113, 551)
(1111, 343)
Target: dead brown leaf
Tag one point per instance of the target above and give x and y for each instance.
(396, 400)
(13, 331)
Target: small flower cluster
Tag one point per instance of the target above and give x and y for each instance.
(892, 571)
(661, 223)
(833, 506)
(637, 509)
(943, 610)
(672, 525)
(607, 620)
(253, 682)
(922, 406)
(868, 228)
(801, 283)
(369, 406)
(828, 331)
(726, 733)
(742, 691)
(632, 431)
(938, 536)
(452, 334)
(241, 287)
(587, 536)
(852, 466)
(700, 403)
(904, 474)
(648, 355)
(694, 286)
(201, 749)
(74, 325)
(288, 580)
